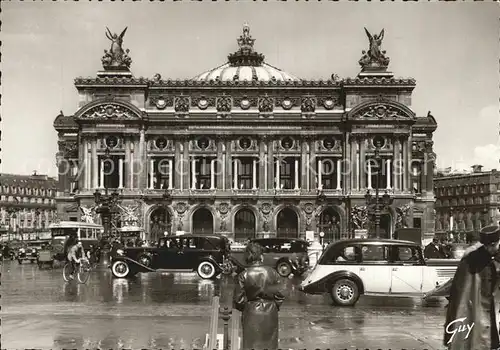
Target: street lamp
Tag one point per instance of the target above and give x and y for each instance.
(377, 202)
(321, 237)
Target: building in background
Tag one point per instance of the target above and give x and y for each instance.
(466, 202)
(246, 149)
(27, 204)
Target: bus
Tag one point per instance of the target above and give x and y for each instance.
(87, 233)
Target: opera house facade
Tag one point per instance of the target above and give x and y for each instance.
(248, 150)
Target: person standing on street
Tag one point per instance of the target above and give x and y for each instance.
(257, 295)
(472, 317)
(433, 250)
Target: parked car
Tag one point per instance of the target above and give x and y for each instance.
(353, 267)
(29, 253)
(204, 254)
(286, 255)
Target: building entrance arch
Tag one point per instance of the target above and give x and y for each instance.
(244, 225)
(202, 222)
(287, 223)
(159, 223)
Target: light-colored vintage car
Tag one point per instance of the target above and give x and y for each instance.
(350, 268)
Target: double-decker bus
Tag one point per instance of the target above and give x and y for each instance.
(88, 234)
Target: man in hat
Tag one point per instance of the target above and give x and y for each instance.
(433, 250)
(472, 316)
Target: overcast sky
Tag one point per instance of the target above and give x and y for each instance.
(451, 50)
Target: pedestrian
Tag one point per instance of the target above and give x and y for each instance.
(257, 295)
(446, 248)
(472, 316)
(433, 250)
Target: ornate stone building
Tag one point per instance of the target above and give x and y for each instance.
(27, 204)
(246, 149)
(467, 202)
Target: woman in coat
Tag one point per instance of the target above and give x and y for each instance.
(257, 295)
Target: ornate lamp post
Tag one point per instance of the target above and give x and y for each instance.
(377, 202)
(106, 204)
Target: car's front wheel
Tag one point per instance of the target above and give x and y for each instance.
(345, 292)
(120, 269)
(206, 270)
(284, 269)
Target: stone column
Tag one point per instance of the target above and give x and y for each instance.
(101, 175)
(178, 159)
(369, 168)
(320, 175)
(95, 171)
(151, 173)
(396, 164)
(229, 170)
(406, 170)
(143, 176)
(170, 173)
(270, 165)
(120, 173)
(131, 168)
(86, 165)
(220, 162)
(346, 164)
(193, 173)
(126, 163)
(388, 173)
(185, 165)
(354, 161)
(362, 163)
(254, 174)
(423, 174)
(339, 171)
(313, 165)
(212, 174)
(277, 179)
(296, 178)
(263, 164)
(235, 173)
(304, 166)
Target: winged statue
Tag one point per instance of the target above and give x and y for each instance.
(374, 56)
(116, 56)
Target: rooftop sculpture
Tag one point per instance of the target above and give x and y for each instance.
(116, 58)
(375, 58)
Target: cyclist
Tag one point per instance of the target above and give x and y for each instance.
(75, 255)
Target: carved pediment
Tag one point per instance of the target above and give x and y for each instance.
(381, 109)
(109, 110)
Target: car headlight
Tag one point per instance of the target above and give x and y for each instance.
(119, 252)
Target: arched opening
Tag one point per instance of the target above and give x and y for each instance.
(386, 226)
(244, 225)
(287, 223)
(203, 222)
(160, 223)
(329, 223)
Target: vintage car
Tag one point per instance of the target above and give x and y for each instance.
(205, 254)
(27, 253)
(286, 255)
(349, 268)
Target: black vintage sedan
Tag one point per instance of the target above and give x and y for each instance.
(205, 254)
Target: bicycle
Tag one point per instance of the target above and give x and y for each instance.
(82, 271)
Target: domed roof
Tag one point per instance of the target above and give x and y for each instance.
(245, 64)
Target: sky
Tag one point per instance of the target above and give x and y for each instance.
(451, 49)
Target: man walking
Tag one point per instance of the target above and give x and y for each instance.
(472, 315)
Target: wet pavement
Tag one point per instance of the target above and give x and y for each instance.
(171, 310)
